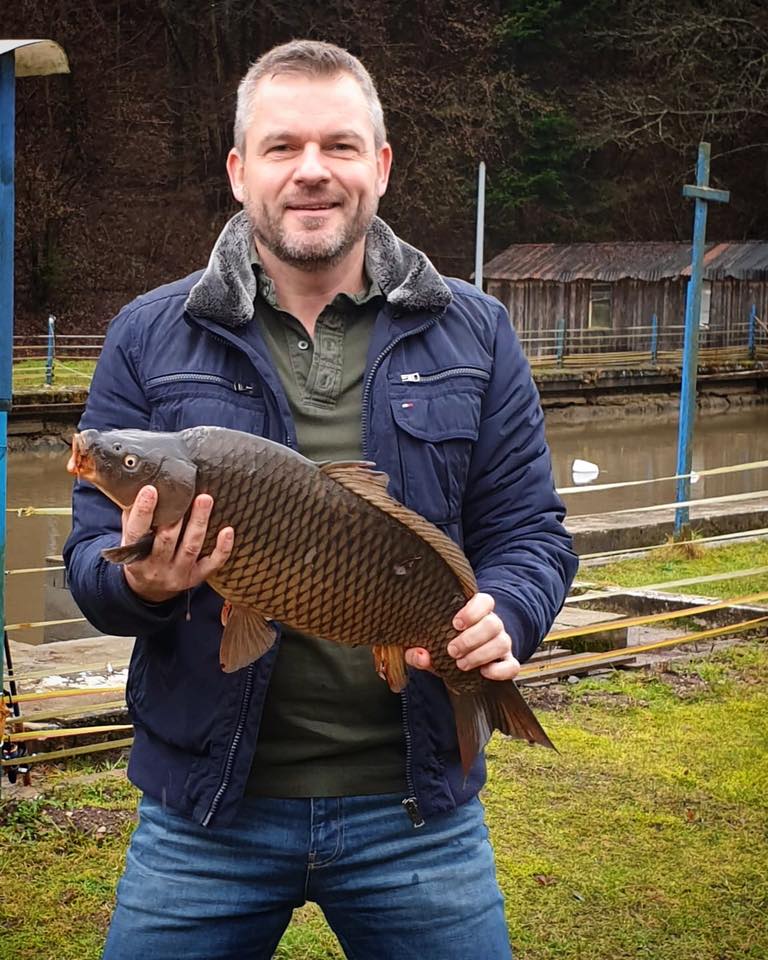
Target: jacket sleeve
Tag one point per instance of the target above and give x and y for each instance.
(115, 401)
(512, 516)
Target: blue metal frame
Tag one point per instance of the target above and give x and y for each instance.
(752, 333)
(703, 194)
(51, 351)
(654, 338)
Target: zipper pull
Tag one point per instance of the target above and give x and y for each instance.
(243, 387)
(410, 377)
(412, 809)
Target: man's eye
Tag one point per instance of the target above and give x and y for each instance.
(279, 148)
(342, 147)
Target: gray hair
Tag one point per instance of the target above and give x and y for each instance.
(312, 58)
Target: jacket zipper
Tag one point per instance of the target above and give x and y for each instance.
(411, 802)
(444, 375)
(201, 378)
(244, 704)
(248, 690)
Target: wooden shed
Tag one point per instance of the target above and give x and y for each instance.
(608, 293)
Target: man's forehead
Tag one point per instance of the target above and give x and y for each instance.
(293, 83)
(288, 101)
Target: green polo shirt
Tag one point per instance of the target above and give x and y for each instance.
(330, 725)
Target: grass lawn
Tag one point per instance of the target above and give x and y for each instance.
(674, 563)
(646, 836)
(30, 374)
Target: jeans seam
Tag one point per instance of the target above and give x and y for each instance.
(339, 840)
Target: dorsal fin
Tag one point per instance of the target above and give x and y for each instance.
(371, 485)
(364, 470)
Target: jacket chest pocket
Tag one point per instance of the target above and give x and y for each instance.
(437, 424)
(181, 400)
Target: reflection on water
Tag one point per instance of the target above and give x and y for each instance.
(641, 452)
(622, 452)
(35, 479)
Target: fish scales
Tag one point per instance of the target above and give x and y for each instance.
(368, 603)
(350, 592)
(320, 548)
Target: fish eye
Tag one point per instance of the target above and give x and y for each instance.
(130, 461)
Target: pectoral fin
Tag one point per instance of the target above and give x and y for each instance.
(391, 666)
(247, 636)
(131, 552)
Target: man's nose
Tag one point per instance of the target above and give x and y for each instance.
(311, 167)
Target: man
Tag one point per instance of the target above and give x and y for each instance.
(302, 776)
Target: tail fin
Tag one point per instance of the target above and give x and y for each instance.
(498, 706)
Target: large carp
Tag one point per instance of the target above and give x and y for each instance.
(322, 548)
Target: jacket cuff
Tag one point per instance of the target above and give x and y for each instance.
(140, 615)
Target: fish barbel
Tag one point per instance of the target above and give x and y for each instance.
(321, 548)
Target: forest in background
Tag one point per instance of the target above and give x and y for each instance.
(587, 112)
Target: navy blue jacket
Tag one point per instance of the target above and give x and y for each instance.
(449, 411)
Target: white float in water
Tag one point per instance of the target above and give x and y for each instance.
(583, 471)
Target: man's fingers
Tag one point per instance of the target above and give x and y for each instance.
(476, 635)
(418, 657)
(166, 539)
(219, 555)
(196, 529)
(473, 610)
(505, 669)
(138, 520)
(497, 648)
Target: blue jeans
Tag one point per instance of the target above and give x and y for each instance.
(388, 890)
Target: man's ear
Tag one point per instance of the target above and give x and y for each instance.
(236, 172)
(383, 167)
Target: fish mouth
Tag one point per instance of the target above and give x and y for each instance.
(81, 463)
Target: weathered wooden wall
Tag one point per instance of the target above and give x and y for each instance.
(535, 306)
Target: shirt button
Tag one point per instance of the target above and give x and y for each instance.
(303, 344)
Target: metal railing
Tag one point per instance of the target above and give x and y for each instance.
(654, 343)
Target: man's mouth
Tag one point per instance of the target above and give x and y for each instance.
(80, 461)
(313, 207)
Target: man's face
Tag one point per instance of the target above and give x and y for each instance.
(311, 177)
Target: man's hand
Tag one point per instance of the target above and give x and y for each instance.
(174, 565)
(483, 642)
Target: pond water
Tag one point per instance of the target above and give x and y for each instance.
(622, 452)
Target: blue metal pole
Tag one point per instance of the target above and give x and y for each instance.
(560, 341)
(752, 333)
(7, 144)
(51, 349)
(691, 345)
(654, 338)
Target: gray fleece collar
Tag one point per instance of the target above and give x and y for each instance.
(227, 288)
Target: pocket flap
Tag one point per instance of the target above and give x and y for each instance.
(449, 416)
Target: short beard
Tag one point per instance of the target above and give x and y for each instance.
(310, 257)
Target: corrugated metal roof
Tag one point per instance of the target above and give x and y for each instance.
(565, 262)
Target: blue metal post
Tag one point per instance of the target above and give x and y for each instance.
(51, 351)
(752, 333)
(560, 341)
(702, 193)
(7, 145)
(654, 338)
